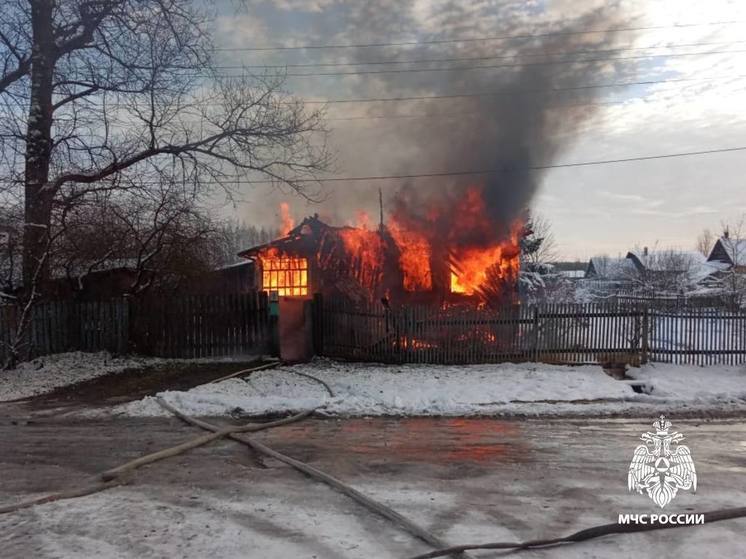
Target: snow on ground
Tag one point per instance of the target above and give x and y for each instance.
(44, 374)
(546, 479)
(507, 388)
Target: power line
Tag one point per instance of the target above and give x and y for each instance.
(487, 94)
(513, 92)
(491, 66)
(480, 39)
(470, 113)
(473, 58)
(459, 114)
(492, 171)
(464, 113)
(482, 94)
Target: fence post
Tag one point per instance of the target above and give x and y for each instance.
(536, 333)
(645, 335)
(123, 335)
(317, 325)
(397, 335)
(274, 323)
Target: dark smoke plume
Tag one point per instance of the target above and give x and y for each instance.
(524, 125)
(521, 127)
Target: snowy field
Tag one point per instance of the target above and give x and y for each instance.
(421, 390)
(44, 374)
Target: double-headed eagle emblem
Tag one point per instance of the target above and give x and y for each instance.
(660, 470)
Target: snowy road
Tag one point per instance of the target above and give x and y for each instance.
(464, 479)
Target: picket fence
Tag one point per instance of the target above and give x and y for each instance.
(555, 333)
(182, 326)
(226, 325)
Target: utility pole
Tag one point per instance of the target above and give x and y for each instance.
(380, 208)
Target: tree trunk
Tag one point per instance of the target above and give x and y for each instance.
(38, 199)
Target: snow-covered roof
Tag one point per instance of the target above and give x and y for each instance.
(667, 260)
(729, 250)
(607, 267)
(702, 270)
(83, 268)
(238, 264)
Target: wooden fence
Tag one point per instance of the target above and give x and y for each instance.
(224, 325)
(559, 333)
(183, 326)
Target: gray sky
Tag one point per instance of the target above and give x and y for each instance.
(697, 104)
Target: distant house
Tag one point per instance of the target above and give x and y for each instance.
(665, 260)
(606, 268)
(728, 258)
(650, 272)
(730, 252)
(669, 267)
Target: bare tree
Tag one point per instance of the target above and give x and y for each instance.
(705, 242)
(602, 264)
(104, 96)
(231, 237)
(661, 271)
(161, 237)
(538, 246)
(10, 251)
(732, 280)
(120, 94)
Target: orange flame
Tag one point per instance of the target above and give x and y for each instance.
(474, 267)
(474, 264)
(414, 257)
(283, 273)
(366, 251)
(288, 223)
(362, 220)
(454, 243)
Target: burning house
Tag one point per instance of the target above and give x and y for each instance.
(453, 231)
(407, 259)
(318, 258)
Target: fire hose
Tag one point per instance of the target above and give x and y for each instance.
(585, 534)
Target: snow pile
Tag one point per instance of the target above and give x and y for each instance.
(528, 388)
(44, 374)
(688, 383)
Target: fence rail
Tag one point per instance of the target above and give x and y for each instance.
(183, 326)
(557, 333)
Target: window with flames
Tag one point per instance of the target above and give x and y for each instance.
(287, 276)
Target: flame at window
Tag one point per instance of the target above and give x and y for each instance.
(286, 275)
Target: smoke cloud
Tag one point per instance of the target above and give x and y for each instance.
(536, 103)
(538, 99)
